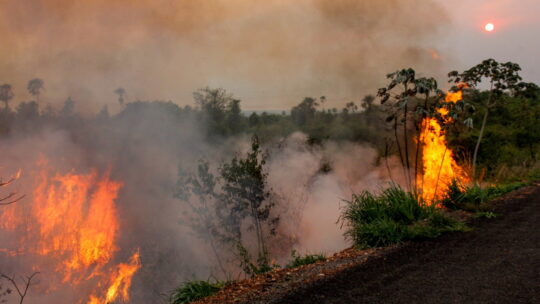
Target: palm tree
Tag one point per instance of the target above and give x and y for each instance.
(6, 94)
(34, 87)
(121, 92)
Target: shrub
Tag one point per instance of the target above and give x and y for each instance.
(299, 260)
(392, 217)
(194, 290)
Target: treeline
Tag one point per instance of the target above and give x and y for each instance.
(511, 135)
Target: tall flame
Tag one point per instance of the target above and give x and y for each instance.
(76, 219)
(440, 167)
(73, 223)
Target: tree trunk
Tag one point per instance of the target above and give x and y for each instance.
(399, 147)
(406, 139)
(475, 155)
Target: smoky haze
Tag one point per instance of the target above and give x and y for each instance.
(269, 53)
(143, 148)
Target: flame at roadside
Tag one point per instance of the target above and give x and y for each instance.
(439, 165)
(69, 229)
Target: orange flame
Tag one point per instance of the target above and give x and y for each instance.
(120, 282)
(76, 218)
(73, 223)
(440, 167)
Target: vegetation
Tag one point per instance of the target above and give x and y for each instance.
(301, 260)
(510, 138)
(221, 206)
(230, 205)
(194, 290)
(503, 80)
(475, 198)
(392, 217)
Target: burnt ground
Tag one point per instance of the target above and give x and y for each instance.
(497, 262)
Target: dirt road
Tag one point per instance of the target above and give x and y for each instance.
(497, 262)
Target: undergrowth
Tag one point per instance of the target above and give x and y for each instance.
(392, 217)
(300, 260)
(476, 198)
(194, 290)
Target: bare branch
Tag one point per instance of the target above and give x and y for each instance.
(22, 291)
(11, 195)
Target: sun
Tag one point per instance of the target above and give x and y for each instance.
(489, 27)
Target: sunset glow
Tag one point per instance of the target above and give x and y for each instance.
(489, 27)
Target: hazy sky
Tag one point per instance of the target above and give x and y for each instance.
(269, 53)
(516, 37)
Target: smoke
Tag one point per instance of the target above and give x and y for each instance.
(270, 53)
(142, 147)
(314, 181)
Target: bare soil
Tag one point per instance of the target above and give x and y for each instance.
(497, 262)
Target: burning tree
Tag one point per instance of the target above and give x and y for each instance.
(502, 78)
(420, 114)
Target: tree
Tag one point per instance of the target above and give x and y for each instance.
(221, 206)
(234, 116)
(501, 77)
(351, 108)
(68, 109)
(213, 104)
(246, 196)
(34, 87)
(6, 94)
(254, 120)
(305, 111)
(323, 101)
(103, 114)
(199, 193)
(28, 110)
(367, 103)
(409, 101)
(121, 92)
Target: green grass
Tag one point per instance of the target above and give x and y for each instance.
(476, 198)
(194, 290)
(392, 217)
(300, 260)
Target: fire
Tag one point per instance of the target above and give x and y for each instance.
(121, 281)
(72, 223)
(76, 219)
(439, 165)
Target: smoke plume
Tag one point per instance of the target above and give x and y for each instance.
(270, 53)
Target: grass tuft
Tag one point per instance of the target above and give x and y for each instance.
(194, 290)
(392, 217)
(475, 198)
(299, 260)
